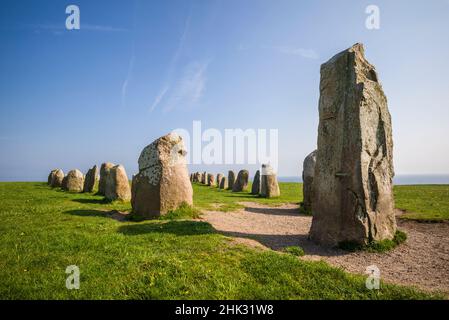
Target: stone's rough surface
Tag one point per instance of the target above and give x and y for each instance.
(117, 184)
(269, 187)
(224, 183)
(231, 179)
(64, 183)
(308, 171)
(210, 180)
(50, 176)
(204, 177)
(241, 183)
(353, 198)
(75, 181)
(104, 172)
(255, 189)
(55, 178)
(219, 177)
(90, 179)
(162, 183)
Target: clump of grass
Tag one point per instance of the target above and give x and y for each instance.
(303, 210)
(375, 246)
(184, 211)
(295, 250)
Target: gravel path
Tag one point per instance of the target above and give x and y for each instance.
(423, 261)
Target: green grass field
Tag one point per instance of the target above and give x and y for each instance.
(43, 231)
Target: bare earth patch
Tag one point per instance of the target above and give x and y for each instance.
(423, 261)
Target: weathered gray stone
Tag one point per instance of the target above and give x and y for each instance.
(104, 172)
(210, 180)
(75, 181)
(308, 171)
(224, 183)
(90, 179)
(117, 184)
(64, 183)
(55, 178)
(219, 177)
(241, 183)
(204, 178)
(269, 187)
(353, 198)
(255, 188)
(162, 183)
(231, 179)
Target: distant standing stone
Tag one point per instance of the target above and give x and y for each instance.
(352, 186)
(255, 189)
(117, 184)
(241, 183)
(104, 172)
(162, 183)
(308, 171)
(231, 179)
(55, 178)
(224, 183)
(90, 179)
(50, 176)
(219, 177)
(204, 178)
(75, 181)
(269, 187)
(210, 180)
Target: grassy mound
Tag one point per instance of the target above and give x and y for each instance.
(376, 246)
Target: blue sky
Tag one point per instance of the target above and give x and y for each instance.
(139, 69)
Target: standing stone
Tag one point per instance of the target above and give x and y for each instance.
(162, 183)
(90, 179)
(241, 183)
(353, 198)
(117, 184)
(231, 179)
(104, 172)
(219, 177)
(269, 187)
(255, 189)
(204, 178)
(64, 183)
(75, 181)
(50, 176)
(57, 177)
(308, 171)
(224, 183)
(210, 180)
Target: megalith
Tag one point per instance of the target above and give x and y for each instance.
(255, 188)
(269, 187)
(90, 179)
(308, 171)
(241, 182)
(117, 184)
(104, 172)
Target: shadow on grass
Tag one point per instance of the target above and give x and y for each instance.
(179, 228)
(88, 213)
(92, 201)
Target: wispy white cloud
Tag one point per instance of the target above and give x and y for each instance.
(190, 87)
(127, 79)
(159, 98)
(172, 66)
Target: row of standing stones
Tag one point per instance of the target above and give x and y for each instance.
(347, 180)
(265, 185)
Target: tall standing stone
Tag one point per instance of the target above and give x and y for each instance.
(308, 171)
(210, 180)
(162, 183)
(117, 184)
(55, 178)
(104, 172)
(269, 187)
(204, 178)
(90, 179)
(219, 177)
(224, 183)
(74, 181)
(353, 198)
(231, 179)
(255, 188)
(241, 183)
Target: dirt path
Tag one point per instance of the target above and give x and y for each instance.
(422, 261)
